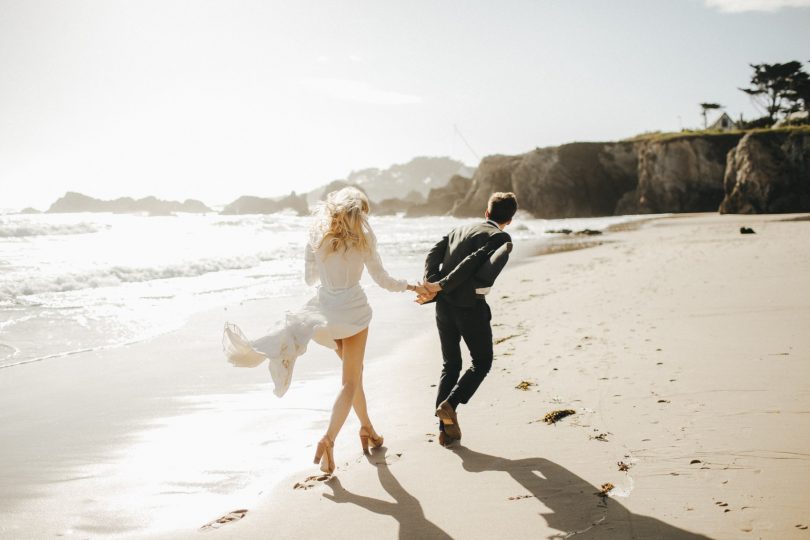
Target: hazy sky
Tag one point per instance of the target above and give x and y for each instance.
(213, 100)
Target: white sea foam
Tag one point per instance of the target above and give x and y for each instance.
(117, 275)
(28, 229)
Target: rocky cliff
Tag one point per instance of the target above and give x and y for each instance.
(76, 202)
(572, 180)
(768, 172)
(764, 171)
(682, 173)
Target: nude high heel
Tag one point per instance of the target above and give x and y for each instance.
(366, 436)
(324, 455)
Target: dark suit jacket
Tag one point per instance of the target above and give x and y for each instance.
(454, 261)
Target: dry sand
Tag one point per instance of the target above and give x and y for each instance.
(684, 349)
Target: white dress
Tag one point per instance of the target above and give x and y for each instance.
(339, 310)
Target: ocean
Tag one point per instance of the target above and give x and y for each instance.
(77, 282)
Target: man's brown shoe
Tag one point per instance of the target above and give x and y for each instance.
(449, 419)
(445, 440)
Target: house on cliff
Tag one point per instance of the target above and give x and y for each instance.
(724, 123)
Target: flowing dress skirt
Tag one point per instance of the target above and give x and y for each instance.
(331, 314)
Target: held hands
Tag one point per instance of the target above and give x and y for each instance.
(418, 288)
(426, 291)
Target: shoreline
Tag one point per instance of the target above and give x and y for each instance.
(133, 297)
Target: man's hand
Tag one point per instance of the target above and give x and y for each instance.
(430, 291)
(432, 287)
(425, 298)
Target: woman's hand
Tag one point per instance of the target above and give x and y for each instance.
(418, 288)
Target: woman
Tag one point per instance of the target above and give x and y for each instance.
(341, 245)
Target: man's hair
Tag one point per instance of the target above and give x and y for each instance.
(502, 206)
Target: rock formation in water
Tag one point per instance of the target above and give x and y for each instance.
(259, 205)
(76, 202)
(769, 172)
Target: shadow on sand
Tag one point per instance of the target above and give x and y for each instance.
(574, 506)
(575, 509)
(407, 510)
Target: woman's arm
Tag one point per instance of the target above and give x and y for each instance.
(377, 271)
(380, 275)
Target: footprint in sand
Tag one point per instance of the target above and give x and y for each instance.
(384, 458)
(236, 515)
(312, 481)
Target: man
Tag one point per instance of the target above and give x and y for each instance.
(459, 270)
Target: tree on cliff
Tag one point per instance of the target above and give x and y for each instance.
(778, 88)
(802, 89)
(704, 108)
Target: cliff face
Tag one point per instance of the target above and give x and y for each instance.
(768, 172)
(682, 174)
(494, 173)
(575, 180)
(572, 180)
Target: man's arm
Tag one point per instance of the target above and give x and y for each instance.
(466, 268)
(489, 271)
(434, 259)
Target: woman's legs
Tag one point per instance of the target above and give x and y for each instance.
(352, 351)
(359, 402)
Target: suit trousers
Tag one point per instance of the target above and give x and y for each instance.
(472, 324)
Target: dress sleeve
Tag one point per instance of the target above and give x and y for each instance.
(311, 274)
(376, 270)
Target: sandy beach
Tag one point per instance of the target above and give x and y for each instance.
(682, 347)
(680, 344)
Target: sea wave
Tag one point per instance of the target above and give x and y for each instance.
(23, 230)
(118, 275)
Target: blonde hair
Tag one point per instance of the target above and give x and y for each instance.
(341, 221)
